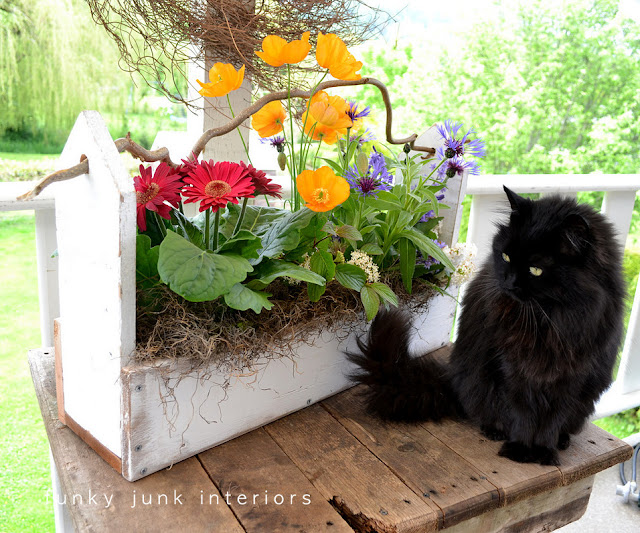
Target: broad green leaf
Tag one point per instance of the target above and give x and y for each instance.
(243, 243)
(146, 262)
(257, 219)
(371, 248)
(321, 263)
(427, 246)
(370, 300)
(243, 298)
(183, 226)
(349, 232)
(282, 234)
(385, 293)
(329, 228)
(385, 201)
(407, 251)
(334, 166)
(195, 274)
(270, 270)
(311, 237)
(351, 276)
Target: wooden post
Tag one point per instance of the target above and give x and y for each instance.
(46, 246)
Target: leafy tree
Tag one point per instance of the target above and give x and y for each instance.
(553, 87)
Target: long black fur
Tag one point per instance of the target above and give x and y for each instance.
(533, 353)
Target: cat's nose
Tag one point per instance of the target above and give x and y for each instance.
(510, 281)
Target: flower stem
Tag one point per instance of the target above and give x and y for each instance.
(160, 224)
(216, 225)
(207, 218)
(293, 173)
(315, 159)
(246, 148)
(241, 217)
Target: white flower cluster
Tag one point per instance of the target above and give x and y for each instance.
(364, 261)
(462, 256)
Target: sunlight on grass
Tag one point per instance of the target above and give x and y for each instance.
(25, 482)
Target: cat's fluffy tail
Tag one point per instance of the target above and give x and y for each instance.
(400, 387)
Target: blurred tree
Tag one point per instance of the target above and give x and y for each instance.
(552, 87)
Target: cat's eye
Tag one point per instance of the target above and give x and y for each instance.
(506, 258)
(535, 271)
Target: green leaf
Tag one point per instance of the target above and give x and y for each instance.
(153, 230)
(351, 276)
(195, 274)
(183, 226)
(243, 243)
(270, 270)
(243, 298)
(427, 246)
(335, 166)
(385, 293)
(257, 219)
(329, 228)
(348, 232)
(407, 251)
(385, 201)
(371, 248)
(370, 300)
(146, 262)
(282, 234)
(321, 263)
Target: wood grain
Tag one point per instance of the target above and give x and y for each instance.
(252, 471)
(433, 471)
(364, 490)
(57, 348)
(104, 500)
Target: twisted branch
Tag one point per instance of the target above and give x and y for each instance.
(162, 154)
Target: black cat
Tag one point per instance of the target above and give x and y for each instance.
(539, 333)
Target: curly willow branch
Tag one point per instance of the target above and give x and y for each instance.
(162, 154)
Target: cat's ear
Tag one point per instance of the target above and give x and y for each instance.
(576, 234)
(516, 201)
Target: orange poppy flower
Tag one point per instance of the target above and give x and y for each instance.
(326, 117)
(276, 51)
(321, 189)
(332, 53)
(268, 121)
(223, 79)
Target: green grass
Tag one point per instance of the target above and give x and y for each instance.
(16, 156)
(25, 483)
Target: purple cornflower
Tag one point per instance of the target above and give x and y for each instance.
(277, 142)
(354, 114)
(429, 261)
(366, 137)
(454, 166)
(427, 216)
(460, 147)
(375, 179)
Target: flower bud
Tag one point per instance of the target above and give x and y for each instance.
(407, 148)
(362, 163)
(450, 173)
(282, 160)
(449, 153)
(339, 257)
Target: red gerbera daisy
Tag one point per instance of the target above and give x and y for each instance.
(262, 184)
(187, 166)
(216, 184)
(155, 190)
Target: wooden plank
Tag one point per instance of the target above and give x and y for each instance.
(363, 489)
(515, 481)
(97, 277)
(266, 491)
(547, 511)
(590, 452)
(429, 468)
(99, 499)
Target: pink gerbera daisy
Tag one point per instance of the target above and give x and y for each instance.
(216, 184)
(155, 191)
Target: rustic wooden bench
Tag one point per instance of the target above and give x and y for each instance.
(330, 467)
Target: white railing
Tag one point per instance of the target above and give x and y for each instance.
(46, 245)
(489, 205)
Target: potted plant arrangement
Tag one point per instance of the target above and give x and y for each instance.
(244, 311)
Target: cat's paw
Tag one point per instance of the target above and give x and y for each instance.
(521, 453)
(564, 441)
(493, 433)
